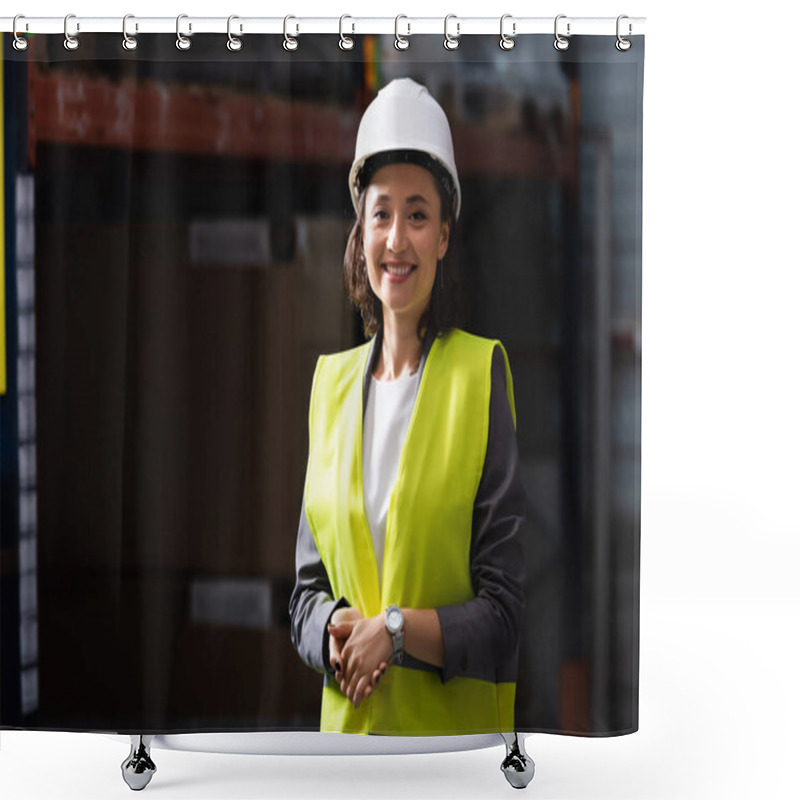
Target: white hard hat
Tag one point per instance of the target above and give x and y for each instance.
(404, 117)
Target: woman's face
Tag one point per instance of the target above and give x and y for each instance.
(404, 237)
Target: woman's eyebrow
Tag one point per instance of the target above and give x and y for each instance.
(381, 198)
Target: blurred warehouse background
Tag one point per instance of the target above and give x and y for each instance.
(175, 225)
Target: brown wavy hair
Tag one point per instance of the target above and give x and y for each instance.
(445, 308)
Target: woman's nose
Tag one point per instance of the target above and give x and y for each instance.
(397, 235)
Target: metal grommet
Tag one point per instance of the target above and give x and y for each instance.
(451, 42)
(623, 44)
(345, 42)
(19, 43)
(182, 42)
(234, 43)
(561, 42)
(128, 42)
(70, 42)
(507, 42)
(400, 42)
(289, 43)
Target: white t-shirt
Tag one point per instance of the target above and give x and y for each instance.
(386, 418)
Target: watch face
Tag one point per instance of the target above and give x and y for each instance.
(394, 620)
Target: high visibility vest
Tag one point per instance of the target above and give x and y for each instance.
(428, 528)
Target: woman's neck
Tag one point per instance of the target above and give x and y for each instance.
(401, 349)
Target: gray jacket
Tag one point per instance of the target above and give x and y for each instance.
(481, 636)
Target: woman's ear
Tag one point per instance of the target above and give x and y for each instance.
(444, 239)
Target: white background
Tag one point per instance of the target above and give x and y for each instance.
(719, 698)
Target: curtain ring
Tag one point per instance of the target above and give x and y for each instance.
(288, 42)
(562, 42)
(623, 44)
(182, 42)
(345, 42)
(234, 43)
(400, 42)
(507, 42)
(19, 43)
(128, 42)
(70, 42)
(451, 42)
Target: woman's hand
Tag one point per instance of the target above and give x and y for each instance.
(338, 636)
(366, 653)
(339, 629)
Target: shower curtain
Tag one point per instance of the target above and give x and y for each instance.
(174, 226)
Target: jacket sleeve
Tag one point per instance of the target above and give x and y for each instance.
(481, 636)
(311, 604)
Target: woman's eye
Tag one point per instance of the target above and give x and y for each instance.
(415, 215)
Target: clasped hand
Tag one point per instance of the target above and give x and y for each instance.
(360, 650)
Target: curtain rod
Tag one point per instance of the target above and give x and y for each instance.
(298, 25)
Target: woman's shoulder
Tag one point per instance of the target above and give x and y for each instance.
(338, 369)
(482, 353)
(457, 338)
(352, 357)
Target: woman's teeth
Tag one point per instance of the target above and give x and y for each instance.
(398, 270)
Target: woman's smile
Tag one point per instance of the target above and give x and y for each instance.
(397, 273)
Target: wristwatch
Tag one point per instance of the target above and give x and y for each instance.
(394, 627)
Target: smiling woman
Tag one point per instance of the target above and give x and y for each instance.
(404, 241)
(432, 196)
(408, 594)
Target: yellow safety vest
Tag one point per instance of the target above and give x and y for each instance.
(428, 528)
